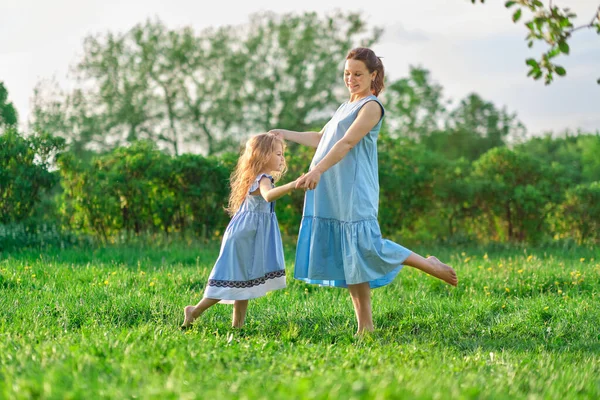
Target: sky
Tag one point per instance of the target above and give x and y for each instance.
(466, 47)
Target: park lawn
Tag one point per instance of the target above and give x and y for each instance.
(104, 323)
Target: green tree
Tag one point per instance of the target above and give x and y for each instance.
(415, 105)
(407, 173)
(576, 152)
(138, 189)
(25, 173)
(454, 194)
(579, 214)
(474, 127)
(68, 117)
(515, 193)
(205, 90)
(8, 114)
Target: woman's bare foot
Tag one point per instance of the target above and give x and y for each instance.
(365, 330)
(442, 271)
(188, 313)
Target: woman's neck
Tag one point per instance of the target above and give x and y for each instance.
(357, 96)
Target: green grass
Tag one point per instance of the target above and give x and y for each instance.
(104, 323)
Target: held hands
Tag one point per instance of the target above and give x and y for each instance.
(309, 181)
(293, 184)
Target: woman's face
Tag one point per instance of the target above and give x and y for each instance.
(357, 77)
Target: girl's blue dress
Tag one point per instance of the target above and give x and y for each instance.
(340, 241)
(250, 262)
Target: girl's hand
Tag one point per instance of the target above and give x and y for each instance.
(310, 180)
(295, 183)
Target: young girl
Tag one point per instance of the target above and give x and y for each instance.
(250, 262)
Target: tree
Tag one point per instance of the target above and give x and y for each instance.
(67, 116)
(24, 173)
(576, 151)
(406, 182)
(206, 90)
(417, 109)
(579, 214)
(8, 114)
(515, 192)
(415, 105)
(473, 127)
(553, 26)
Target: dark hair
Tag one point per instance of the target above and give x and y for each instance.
(373, 63)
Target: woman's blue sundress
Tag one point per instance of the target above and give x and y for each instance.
(340, 242)
(250, 262)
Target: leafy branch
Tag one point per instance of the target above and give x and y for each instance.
(552, 25)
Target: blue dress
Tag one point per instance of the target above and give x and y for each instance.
(340, 242)
(250, 262)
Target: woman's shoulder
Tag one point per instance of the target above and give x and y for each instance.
(373, 98)
(370, 104)
(365, 100)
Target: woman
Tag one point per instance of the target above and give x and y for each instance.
(340, 242)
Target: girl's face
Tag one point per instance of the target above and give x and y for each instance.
(276, 160)
(357, 77)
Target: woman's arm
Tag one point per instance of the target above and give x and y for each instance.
(368, 116)
(273, 193)
(311, 139)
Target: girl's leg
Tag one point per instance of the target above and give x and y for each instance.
(434, 267)
(361, 298)
(239, 313)
(192, 312)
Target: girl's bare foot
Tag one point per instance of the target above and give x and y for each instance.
(188, 313)
(443, 271)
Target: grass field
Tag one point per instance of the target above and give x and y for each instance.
(104, 323)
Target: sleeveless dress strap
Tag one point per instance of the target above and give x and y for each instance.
(256, 184)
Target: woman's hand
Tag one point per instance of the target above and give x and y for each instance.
(278, 133)
(310, 180)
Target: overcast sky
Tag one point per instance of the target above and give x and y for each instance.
(467, 48)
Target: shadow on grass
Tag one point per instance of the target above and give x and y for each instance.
(340, 329)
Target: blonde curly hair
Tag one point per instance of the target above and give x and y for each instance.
(252, 161)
